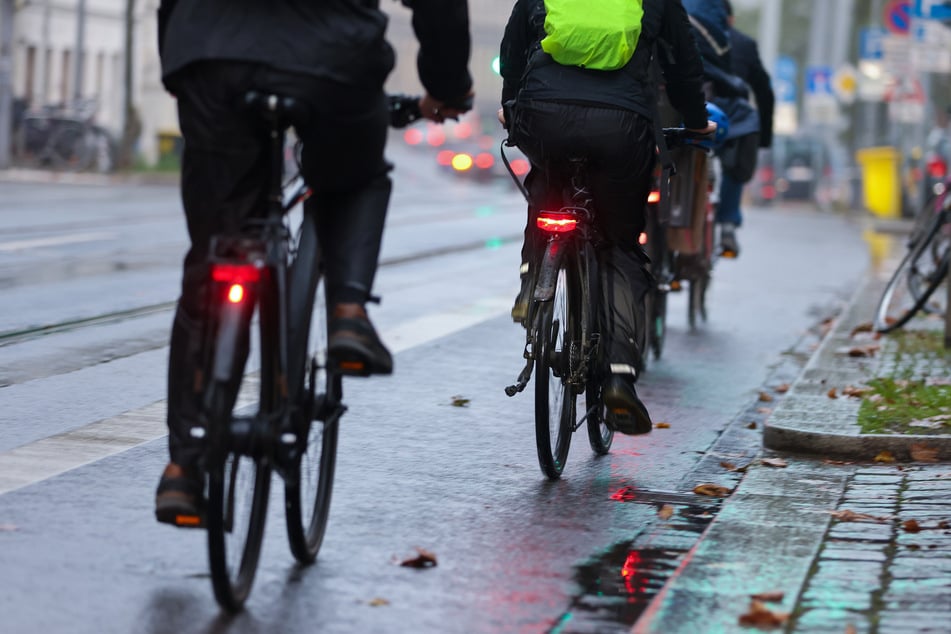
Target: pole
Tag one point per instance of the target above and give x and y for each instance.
(770, 32)
(80, 54)
(6, 82)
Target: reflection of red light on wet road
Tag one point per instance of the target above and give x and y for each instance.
(625, 494)
(631, 572)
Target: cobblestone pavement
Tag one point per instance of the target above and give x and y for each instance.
(833, 540)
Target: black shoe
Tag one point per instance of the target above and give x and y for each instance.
(354, 348)
(180, 499)
(729, 247)
(625, 412)
(523, 299)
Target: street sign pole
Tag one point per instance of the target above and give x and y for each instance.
(6, 81)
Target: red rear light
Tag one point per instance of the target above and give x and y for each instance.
(654, 197)
(937, 168)
(484, 160)
(413, 136)
(445, 157)
(235, 273)
(520, 167)
(642, 239)
(556, 221)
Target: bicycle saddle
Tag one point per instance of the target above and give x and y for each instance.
(285, 110)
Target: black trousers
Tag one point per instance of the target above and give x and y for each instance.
(225, 178)
(620, 150)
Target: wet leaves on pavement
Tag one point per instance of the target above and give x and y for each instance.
(765, 398)
(911, 526)
(662, 425)
(423, 559)
(712, 490)
(846, 515)
(665, 512)
(752, 425)
(761, 616)
(773, 596)
(866, 327)
(782, 389)
(923, 453)
(885, 456)
(729, 466)
(779, 463)
(378, 602)
(854, 392)
(832, 393)
(459, 401)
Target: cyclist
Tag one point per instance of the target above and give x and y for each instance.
(563, 111)
(332, 58)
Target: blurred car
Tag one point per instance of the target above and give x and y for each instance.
(795, 168)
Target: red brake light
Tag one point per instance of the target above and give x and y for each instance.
(556, 222)
(484, 161)
(937, 168)
(235, 273)
(520, 167)
(654, 197)
(642, 239)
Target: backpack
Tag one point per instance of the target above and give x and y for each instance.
(600, 35)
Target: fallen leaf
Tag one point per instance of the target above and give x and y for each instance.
(913, 547)
(911, 526)
(944, 524)
(377, 602)
(764, 397)
(665, 512)
(854, 392)
(836, 462)
(458, 401)
(711, 490)
(782, 389)
(866, 327)
(764, 410)
(832, 393)
(850, 629)
(423, 559)
(923, 453)
(779, 463)
(752, 426)
(864, 351)
(846, 515)
(885, 456)
(662, 425)
(729, 466)
(774, 596)
(761, 616)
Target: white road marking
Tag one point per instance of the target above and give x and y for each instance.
(55, 241)
(52, 456)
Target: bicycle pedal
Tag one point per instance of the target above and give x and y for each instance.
(729, 255)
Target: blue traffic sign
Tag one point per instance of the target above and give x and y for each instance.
(819, 80)
(872, 43)
(784, 79)
(897, 16)
(932, 9)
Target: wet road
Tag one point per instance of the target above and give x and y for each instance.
(88, 277)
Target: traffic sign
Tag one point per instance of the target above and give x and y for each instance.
(932, 9)
(872, 43)
(819, 80)
(784, 79)
(845, 83)
(897, 16)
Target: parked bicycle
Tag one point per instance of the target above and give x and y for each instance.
(564, 325)
(922, 269)
(64, 138)
(275, 273)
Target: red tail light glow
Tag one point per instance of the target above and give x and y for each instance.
(520, 167)
(642, 239)
(236, 293)
(484, 160)
(445, 157)
(654, 197)
(235, 273)
(413, 136)
(556, 222)
(937, 168)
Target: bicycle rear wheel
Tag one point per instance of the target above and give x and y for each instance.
(557, 327)
(917, 277)
(661, 268)
(600, 436)
(308, 483)
(238, 468)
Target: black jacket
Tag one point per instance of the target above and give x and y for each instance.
(748, 66)
(530, 73)
(340, 40)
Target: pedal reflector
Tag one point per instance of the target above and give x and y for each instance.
(188, 520)
(352, 365)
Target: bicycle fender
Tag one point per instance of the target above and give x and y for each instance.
(548, 272)
(226, 348)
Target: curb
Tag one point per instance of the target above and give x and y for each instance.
(808, 421)
(49, 177)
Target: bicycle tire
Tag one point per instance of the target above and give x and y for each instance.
(239, 484)
(308, 483)
(600, 436)
(661, 271)
(895, 308)
(556, 327)
(69, 147)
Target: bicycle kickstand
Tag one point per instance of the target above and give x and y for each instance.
(523, 378)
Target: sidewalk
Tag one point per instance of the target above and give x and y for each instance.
(51, 177)
(841, 536)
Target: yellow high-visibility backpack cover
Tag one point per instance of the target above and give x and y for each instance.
(597, 34)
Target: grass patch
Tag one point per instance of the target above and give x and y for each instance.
(915, 396)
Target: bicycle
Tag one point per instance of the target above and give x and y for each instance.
(64, 138)
(275, 273)
(922, 269)
(563, 328)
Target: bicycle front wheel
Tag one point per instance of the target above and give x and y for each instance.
(917, 277)
(557, 329)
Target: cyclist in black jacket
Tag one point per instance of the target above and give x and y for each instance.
(331, 56)
(605, 116)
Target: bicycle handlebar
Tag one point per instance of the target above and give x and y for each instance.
(404, 109)
(677, 137)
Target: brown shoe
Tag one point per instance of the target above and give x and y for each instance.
(353, 347)
(180, 499)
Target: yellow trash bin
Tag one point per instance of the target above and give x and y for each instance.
(881, 184)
